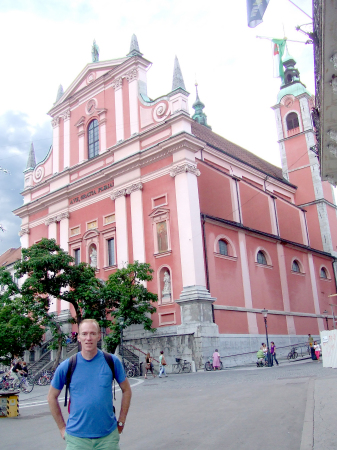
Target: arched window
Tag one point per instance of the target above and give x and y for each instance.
(292, 121)
(323, 273)
(223, 248)
(295, 267)
(261, 258)
(93, 139)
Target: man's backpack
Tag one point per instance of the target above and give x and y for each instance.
(72, 367)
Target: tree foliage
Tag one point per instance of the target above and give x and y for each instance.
(129, 298)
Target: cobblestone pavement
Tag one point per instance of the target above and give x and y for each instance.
(246, 408)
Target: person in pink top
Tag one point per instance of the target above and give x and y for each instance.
(216, 360)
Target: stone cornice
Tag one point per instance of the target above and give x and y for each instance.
(118, 193)
(134, 187)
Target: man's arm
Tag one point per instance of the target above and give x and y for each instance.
(126, 399)
(55, 409)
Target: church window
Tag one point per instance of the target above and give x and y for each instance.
(77, 256)
(111, 252)
(93, 139)
(261, 258)
(323, 273)
(223, 247)
(292, 121)
(295, 267)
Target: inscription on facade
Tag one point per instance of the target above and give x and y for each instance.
(91, 193)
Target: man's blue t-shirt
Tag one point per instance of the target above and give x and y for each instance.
(91, 411)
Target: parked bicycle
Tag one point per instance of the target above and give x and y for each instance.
(293, 353)
(182, 366)
(131, 370)
(209, 364)
(46, 377)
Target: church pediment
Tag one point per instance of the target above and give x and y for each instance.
(91, 73)
(158, 212)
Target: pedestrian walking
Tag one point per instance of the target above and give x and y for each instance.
(311, 346)
(317, 349)
(273, 353)
(216, 360)
(148, 365)
(162, 364)
(92, 423)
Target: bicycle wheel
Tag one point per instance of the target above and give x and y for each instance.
(26, 387)
(187, 367)
(176, 368)
(43, 381)
(208, 366)
(130, 373)
(295, 355)
(290, 355)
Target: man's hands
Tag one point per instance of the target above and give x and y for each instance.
(120, 427)
(62, 431)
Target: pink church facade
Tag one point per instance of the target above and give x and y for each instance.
(227, 234)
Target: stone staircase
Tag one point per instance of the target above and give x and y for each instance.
(41, 364)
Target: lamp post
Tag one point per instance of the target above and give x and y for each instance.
(121, 323)
(265, 313)
(325, 315)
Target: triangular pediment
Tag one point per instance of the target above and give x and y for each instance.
(159, 212)
(91, 73)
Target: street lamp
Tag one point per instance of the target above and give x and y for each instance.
(121, 323)
(265, 313)
(325, 315)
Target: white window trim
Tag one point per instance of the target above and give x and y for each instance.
(302, 272)
(161, 215)
(109, 223)
(230, 246)
(167, 323)
(285, 121)
(109, 234)
(158, 284)
(73, 228)
(327, 273)
(156, 198)
(267, 256)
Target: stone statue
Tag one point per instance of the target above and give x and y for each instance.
(166, 293)
(93, 257)
(95, 52)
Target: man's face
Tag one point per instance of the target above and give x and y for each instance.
(89, 336)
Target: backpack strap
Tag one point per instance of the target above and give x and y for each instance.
(70, 371)
(109, 359)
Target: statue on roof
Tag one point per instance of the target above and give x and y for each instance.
(95, 52)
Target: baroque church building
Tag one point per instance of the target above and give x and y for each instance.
(228, 234)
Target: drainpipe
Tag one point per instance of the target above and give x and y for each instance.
(206, 259)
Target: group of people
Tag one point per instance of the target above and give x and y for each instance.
(262, 354)
(149, 365)
(72, 337)
(18, 368)
(315, 348)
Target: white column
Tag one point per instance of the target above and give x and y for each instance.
(121, 227)
(117, 84)
(285, 289)
(24, 237)
(56, 143)
(133, 100)
(64, 231)
(137, 222)
(66, 137)
(247, 290)
(312, 272)
(189, 225)
(52, 230)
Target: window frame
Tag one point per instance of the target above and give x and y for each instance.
(93, 149)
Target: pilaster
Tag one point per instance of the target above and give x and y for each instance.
(121, 227)
(284, 288)
(56, 143)
(118, 86)
(132, 78)
(315, 291)
(24, 237)
(137, 221)
(66, 145)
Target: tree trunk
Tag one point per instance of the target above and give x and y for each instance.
(59, 349)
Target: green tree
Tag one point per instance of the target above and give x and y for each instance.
(127, 297)
(18, 330)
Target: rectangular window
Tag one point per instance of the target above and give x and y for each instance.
(109, 219)
(111, 252)
(162, 236)
(91, 225)
(77, 256)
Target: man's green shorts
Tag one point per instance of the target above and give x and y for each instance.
(109, 442)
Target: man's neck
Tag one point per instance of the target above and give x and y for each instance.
(89, 355)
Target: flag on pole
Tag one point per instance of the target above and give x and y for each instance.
(278, 51)
(255, 11)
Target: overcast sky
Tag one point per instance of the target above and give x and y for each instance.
(46, 43)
